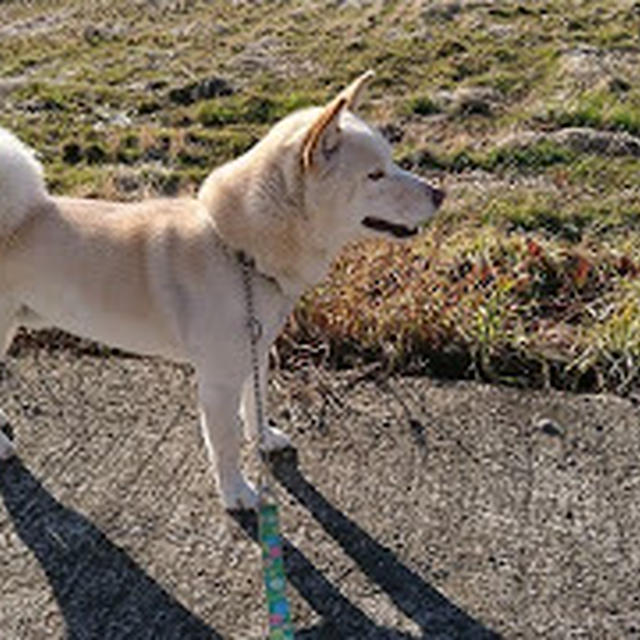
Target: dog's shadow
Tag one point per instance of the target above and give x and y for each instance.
(433, 613)
(102, 593)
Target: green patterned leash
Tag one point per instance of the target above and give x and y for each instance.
(275, 581)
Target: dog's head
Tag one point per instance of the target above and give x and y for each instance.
(319, 179)
(350, 176)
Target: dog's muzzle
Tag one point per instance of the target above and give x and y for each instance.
(383, 226)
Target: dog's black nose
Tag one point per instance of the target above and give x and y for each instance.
(437, 196)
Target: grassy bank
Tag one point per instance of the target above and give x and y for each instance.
(527, 113)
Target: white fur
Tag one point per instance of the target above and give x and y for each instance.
(21, 182)
(162, 277)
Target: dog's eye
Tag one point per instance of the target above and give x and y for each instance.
(376, 175)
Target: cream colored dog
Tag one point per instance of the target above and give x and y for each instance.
(163, 277)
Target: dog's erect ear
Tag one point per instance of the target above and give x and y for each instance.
(354, 92)
(323, 138)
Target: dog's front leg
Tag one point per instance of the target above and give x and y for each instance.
(220, 429)
(274, 439)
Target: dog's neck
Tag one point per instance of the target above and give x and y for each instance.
(247, 263)
(264, 216)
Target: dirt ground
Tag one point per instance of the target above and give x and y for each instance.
(415, 509)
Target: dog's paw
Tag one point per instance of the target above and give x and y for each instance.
(7, 448)
(275, 440)
(240, 496)
(7, 451)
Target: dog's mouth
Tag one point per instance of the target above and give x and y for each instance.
(383, 226)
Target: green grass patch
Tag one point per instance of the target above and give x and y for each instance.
(528, 211)
(534, 274)
(600, 109)
(420, 105)
(249, 109)
(603, 173)
(533, 157)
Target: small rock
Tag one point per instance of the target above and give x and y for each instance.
(353, 4)
(441, 10)
(468, 100)
(212, 87)
(619, 85)
(392, 132)
(120, 120)
(550, 428)
(220, 29)
(92, 34)
(7, 85)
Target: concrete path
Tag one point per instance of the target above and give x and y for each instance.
(415, 509)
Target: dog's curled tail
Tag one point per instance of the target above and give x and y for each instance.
(22, 186)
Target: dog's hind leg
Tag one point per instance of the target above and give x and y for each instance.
(7, 328)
